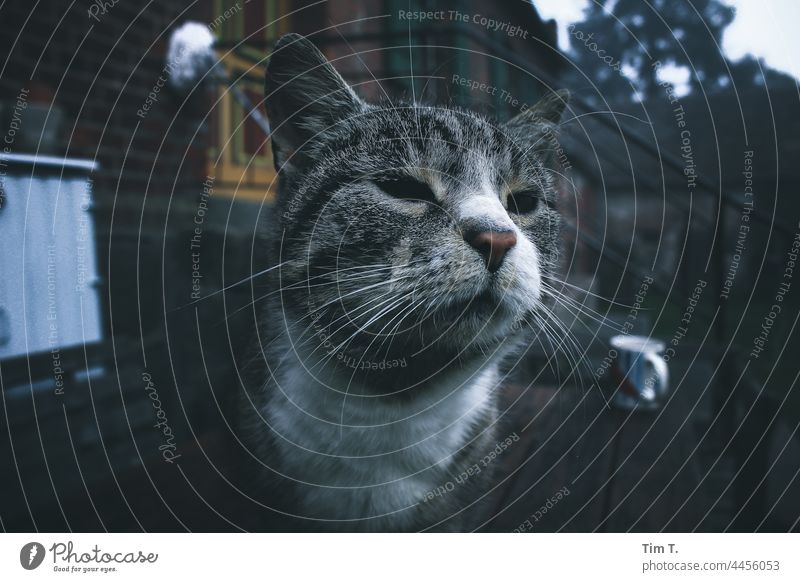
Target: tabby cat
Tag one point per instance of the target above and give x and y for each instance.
(409, 245)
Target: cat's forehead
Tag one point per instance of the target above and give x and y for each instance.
(439, 126)
(449, 143)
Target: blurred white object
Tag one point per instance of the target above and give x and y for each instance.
(640, 372)
(191, 56)
(48, 292)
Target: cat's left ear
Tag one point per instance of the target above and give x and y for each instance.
(304, 96)
(533, 127)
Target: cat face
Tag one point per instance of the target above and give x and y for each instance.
(404, 228)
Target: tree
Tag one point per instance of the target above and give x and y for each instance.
(627, 47)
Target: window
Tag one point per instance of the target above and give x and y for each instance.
(240, 157)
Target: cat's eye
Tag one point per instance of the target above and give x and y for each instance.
(523, 202)
(406, 188)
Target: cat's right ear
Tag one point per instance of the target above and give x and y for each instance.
(304, 96)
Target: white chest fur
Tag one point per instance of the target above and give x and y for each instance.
(369, 456)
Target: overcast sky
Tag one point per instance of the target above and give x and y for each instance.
(764, 28)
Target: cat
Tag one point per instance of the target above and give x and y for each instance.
(408, 245)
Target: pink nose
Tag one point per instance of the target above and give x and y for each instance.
(491, 245)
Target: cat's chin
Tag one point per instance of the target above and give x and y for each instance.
(486, 322)
(490, 305)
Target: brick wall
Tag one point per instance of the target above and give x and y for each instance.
(99, 71)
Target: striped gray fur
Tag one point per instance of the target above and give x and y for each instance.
(376, 372)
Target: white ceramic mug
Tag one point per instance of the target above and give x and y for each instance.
(640, 372)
